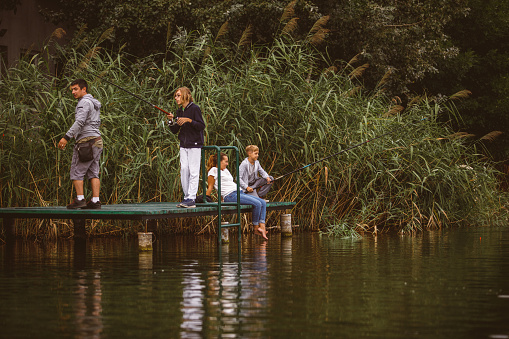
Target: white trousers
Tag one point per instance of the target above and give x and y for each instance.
(190, 159)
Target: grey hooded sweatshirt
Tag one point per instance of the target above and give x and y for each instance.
(246, 177)
(87, 119)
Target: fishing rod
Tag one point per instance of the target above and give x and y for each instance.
(328, 157)
(334, 154)
(123, 89)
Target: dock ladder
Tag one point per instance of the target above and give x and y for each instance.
(219, 202)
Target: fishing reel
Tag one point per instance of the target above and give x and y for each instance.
(173, 121)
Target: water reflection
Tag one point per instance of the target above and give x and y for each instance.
(435, 284)
(192, 304)
(87, 296)
(88, 308)
(228, 299)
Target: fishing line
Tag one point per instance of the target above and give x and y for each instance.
(334, 154)
(328, 157)
(125, 90)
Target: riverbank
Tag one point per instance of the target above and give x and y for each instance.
(423, 175)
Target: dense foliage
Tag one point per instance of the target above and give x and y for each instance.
(404, 38)
(435, 47)
(278, 97)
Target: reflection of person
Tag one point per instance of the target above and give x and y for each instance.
(85, 129)
(189, 126)
(229, 192)
(88, 305)
(249, 170)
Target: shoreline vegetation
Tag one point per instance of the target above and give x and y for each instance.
(279, 97)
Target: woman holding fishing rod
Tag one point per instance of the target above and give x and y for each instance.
(189, 125)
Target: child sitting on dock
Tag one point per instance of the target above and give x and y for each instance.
(229, 192)
(252, 175)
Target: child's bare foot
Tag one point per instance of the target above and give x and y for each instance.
(261, 231)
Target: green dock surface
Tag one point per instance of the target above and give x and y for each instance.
(139, 211)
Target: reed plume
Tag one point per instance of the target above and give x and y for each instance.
(414, 101)
(384, 79)
(319, 24)
(58, 33)
(107, 34)
(396, 109)
(318, 32)
(288, 12)
(461, 95)
(290, 26)
(358, 71)
(352, 92)
(222, 30)
(459, 135)
(331, 69)
(491, 136)
(354, 59)
(246, 36)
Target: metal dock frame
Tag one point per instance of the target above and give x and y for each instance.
(219, 203)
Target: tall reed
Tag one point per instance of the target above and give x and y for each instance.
(278, 97)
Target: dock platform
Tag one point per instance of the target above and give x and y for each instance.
(136, 211)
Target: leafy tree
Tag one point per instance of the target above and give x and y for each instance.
(147, 26)
(405, 47)
(9, 5)
(482, 67)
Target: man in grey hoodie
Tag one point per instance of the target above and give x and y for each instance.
(85, 130)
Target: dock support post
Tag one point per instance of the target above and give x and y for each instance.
(151, 225)
(145, 241)
(225, 236)
(9, 229)
(79, 229)
(286, 225)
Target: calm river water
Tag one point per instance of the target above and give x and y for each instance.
(441, 284)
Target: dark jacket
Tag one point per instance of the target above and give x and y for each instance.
(191, 133)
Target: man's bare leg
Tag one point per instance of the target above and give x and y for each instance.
(96, 186)
(78, 186)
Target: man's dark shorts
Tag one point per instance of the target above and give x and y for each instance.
(90, 169)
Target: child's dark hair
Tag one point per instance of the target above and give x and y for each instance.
(212, 162)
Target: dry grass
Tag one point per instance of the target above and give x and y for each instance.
(284, 102)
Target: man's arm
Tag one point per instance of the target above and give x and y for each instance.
(82, 111)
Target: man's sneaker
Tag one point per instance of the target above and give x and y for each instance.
(188, 203)
(92, 205)
(181, 204)
(77, 204)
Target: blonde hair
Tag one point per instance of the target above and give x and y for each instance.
(185, 94)
(252, 148)
(212, 162)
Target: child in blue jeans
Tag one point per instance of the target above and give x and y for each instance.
(229, 192)
(253, 176)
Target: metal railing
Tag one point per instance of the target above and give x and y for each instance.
(219, 202)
